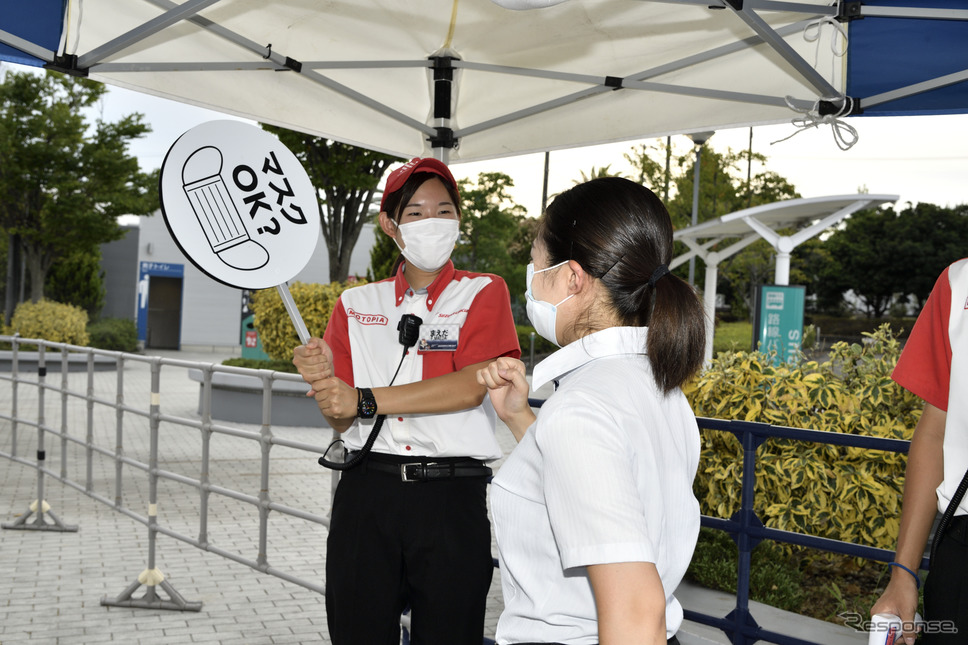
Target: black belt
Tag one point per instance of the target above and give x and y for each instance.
(671, 641)
(426, 470)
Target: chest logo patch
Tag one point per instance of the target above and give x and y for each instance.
(368, 319)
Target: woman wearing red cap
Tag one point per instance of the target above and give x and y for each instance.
(409, 523)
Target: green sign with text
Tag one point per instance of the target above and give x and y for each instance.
(778, 322)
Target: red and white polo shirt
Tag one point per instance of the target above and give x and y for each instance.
(934, 365)
(466, 320)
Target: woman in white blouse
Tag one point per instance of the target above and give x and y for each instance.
(594, 512)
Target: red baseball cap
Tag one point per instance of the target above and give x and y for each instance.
(399, 177)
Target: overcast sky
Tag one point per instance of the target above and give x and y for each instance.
(921, 159)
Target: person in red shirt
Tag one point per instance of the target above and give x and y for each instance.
(409, 523)
(934, 365)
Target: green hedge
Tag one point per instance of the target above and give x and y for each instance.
(541, 346)
(116, 334)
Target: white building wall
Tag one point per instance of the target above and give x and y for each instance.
(211, 310)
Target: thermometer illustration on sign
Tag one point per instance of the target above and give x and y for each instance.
(216, 213)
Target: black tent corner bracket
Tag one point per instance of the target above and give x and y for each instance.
(67, 64)
(849, 10)
(445, 139)
(836, 108)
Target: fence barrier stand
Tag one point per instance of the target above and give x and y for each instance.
(151, 579)
(40, 524)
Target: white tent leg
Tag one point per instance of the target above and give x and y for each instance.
(709, 304)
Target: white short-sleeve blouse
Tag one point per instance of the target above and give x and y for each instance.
(604, 475)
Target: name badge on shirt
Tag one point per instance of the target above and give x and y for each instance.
(438, 338)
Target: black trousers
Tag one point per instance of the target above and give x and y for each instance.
(946, 589)
(392, 544)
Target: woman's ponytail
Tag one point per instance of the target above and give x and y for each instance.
(677, 332)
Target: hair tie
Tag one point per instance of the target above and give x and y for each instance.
(657, 275)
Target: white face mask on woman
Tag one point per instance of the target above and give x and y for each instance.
(428, 242)
(543, 315)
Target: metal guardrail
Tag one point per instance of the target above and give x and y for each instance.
(745, 527)
(747, 530)
(151, 578)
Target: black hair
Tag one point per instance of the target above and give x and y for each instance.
(620, 232)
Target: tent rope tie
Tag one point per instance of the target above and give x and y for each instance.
(813, 31)
(844, 134)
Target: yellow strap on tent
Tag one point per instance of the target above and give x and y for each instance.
(453, 25)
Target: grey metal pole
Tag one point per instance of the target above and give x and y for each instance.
(695, 208)
(40, 508)
(698, 139)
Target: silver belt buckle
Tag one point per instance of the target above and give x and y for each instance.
(403, 470)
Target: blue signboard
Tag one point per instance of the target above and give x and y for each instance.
(145, 271)
(778, 322)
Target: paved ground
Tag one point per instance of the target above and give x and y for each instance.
(52, 583)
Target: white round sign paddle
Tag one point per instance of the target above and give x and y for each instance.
(239, 204)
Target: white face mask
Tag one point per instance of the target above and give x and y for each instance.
(428, 243)
(543, 315)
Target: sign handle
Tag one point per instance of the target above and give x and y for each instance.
(290, 305)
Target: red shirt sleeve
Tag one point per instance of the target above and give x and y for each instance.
(924, 367)
(337, 336)
(488, 331)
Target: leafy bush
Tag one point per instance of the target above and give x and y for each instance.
(117, 334)
(842, 493)
(315, 303)
(259, 364)
(49, 320)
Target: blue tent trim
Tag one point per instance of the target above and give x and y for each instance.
(887, 54)
(38, 21)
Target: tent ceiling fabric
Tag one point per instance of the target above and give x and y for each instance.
(576, 73)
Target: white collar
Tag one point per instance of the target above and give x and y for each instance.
(613, 341)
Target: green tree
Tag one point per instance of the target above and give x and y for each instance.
(78, 280)
(383, 255)
(597, 173)
(883, 255)
(64, 183)
(812, 265)
(493, 230)
(346, 177)
(652, 174)
(724, 188)
(934, 237)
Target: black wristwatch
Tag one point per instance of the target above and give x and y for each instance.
(366, 403)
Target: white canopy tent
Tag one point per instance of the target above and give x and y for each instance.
(471, 79)
(765, 222)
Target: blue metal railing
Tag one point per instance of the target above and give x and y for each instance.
(747, 530)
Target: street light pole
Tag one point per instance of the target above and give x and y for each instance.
(698, 139)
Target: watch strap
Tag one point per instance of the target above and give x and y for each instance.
(365, 403)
